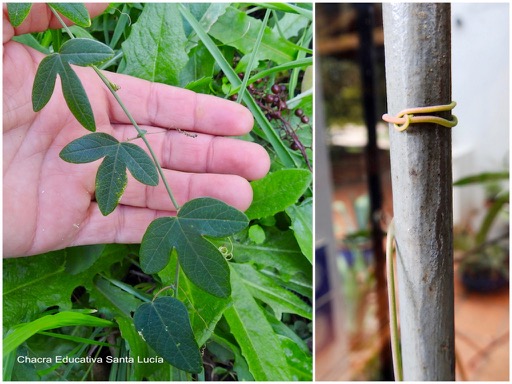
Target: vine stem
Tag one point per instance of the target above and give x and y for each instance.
(66, 28)
(140, 132)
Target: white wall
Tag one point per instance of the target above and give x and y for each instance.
(480, 75)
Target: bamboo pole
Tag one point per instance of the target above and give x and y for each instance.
(417, 40)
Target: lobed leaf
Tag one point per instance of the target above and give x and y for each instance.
(201, 261)
(111, 179)
(18, 12)
(165, 326)
(75, 12)
(74, 51)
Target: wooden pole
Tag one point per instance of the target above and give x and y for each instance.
(417, 38)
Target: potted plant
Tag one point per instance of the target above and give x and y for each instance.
(484, 266)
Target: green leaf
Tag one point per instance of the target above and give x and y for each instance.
(259, 344)
(240, 365)
(257, 234)
(155, 49)
(201, 260)
(204, 310)
(89, 148)
(200, 64)
(75, 12)
(484, 177)
(32, 284)
(206, 13)
(44, 82)
(268, 131)
(94, 52)
(18, 12)
(30, 41)
(85, 52)
(76, 98)
(277, 191)
(267, 290)
(138, 348)
(61, 319)
(273, 47)
(302, 225)
(111, 179)
(112, 300)
(165, 326)
(281, 253)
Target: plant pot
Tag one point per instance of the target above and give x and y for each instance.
(483, 281)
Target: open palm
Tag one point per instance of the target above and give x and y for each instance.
(49, 204)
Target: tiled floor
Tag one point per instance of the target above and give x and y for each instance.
(481, 321)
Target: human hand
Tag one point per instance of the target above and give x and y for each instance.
(49, 204)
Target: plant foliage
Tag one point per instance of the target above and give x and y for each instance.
(216, 293)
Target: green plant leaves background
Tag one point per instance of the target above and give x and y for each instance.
(278, 190)
(32, 284)
(155, 50)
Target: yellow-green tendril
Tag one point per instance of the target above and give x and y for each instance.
(406, 117)
(393, 317)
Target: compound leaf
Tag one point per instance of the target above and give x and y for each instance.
(165, 326)
(18, 12)
(111, 178)
(76, 12)
(75, 51)
(201, 261)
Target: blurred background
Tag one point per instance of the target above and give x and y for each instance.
(351, 326)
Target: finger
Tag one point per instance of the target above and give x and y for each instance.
(232, 189)
(41, 18)
(165, 106)
(203, 153)
(126, 225)
(128, 222)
